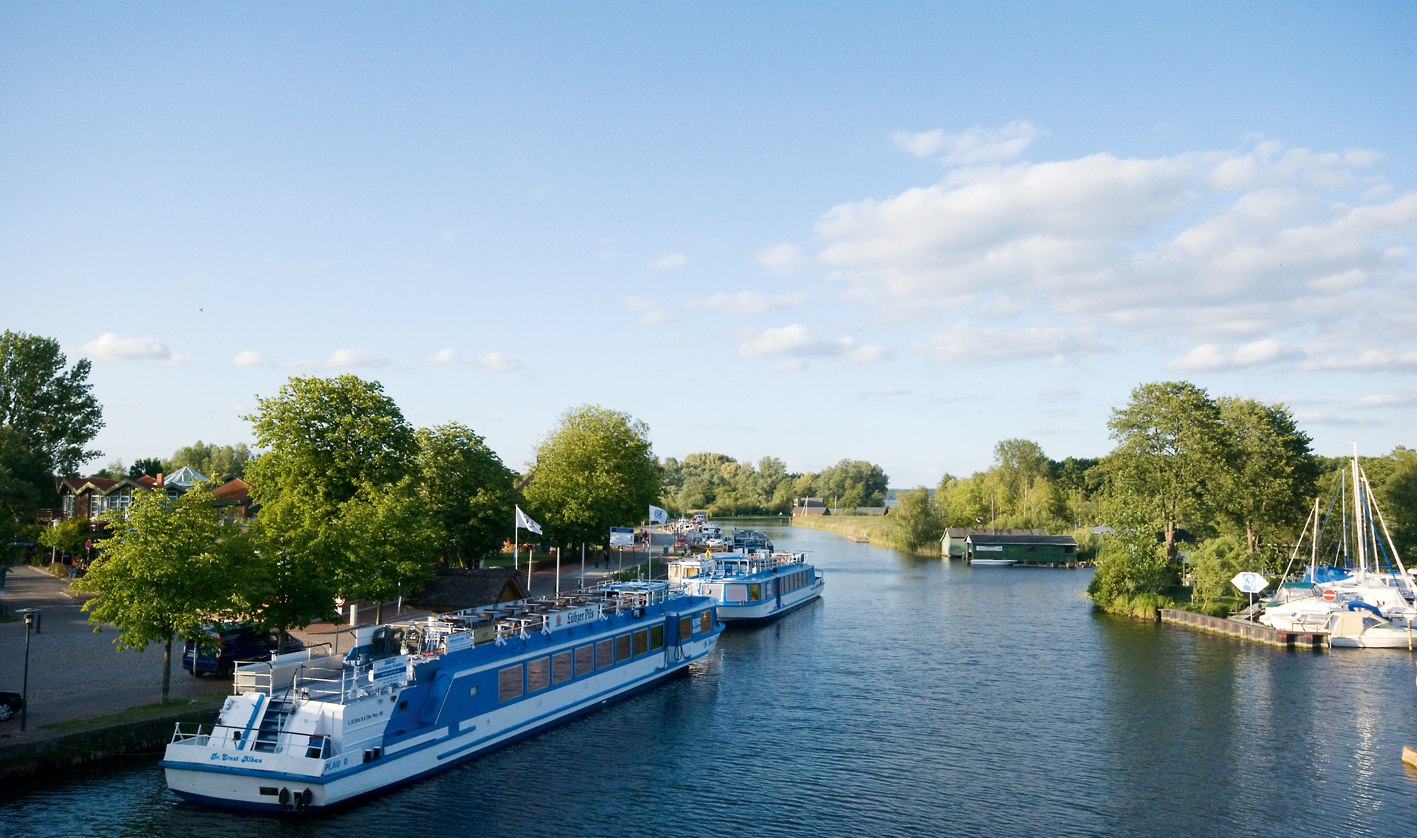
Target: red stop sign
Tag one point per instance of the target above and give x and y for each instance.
(1330, 594)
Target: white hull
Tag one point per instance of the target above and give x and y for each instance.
(994, 562)
(309, 734)
(771, 608)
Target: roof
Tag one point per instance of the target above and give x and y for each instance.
(1004, 538)
(233, 490)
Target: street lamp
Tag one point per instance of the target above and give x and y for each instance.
(31, 616)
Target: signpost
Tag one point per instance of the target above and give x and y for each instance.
(1251, 583)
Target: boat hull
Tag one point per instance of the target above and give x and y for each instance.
(763, 612)
(278, 783)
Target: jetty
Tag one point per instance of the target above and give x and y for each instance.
(1255, 632)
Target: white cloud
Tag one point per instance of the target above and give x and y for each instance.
(970, 147)
(110, 346)
(671, 261)
(796, 343)
(1378, 401)
(971, 347)
(782, 257)
(746, 303)
(1260, 247)
(498, 363)
(783, 340)
(249, 358)
(447, 355)
(649, 312)
(1210, 356)
(350, 358)
(1370, 360)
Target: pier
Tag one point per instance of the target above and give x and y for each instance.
(1315, 640)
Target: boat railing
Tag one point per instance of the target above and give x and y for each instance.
(200, 734)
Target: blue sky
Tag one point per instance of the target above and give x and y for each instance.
(898, 232)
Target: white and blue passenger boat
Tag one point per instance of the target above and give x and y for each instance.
(304, 732)
(749, 585)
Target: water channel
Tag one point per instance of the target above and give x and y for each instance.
(919, 697)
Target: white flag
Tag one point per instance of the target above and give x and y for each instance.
(658, 516)
(526, 523)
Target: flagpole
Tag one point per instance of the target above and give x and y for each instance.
(558, 570)
(582, 565)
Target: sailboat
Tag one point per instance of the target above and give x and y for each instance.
(1354, 568)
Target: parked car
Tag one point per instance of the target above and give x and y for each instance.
(10, 704)
(225, 646)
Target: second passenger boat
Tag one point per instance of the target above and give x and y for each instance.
(749, 585)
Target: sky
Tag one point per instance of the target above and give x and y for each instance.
(891, 231)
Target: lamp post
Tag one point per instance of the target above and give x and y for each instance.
(31, 616)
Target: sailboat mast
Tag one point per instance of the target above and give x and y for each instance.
(1358, 521)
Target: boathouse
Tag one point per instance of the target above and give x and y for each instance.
(1024, 549)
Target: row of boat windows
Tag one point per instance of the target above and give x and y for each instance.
(756, 591)
(795, 581)
(538, 674)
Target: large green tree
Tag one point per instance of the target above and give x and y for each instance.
(48, 414)
(167, 569)
(330, 444)
(853, 483)
(917, 521)
(1269, 472)
(1170, 449)
(1399, 502)
(594, 471)
(466, 491)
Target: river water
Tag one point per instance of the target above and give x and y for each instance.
(919, 697)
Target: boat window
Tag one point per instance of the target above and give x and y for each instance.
(585, 659)
(509, 683)
(641, 642)
(705, 620)
(686, 627)
(735, 593)
(561, 667)
(538, 674)
(656, 637)
(754, 592)
(604, 654)
(622, 648)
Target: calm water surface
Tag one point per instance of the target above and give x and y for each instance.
(917, 698)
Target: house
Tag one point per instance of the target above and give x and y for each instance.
(90, 497)
(1024, 549)
(809, 506)
(233, 498)
(954, 543)
(453, 588)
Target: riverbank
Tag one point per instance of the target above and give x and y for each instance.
(875, 529)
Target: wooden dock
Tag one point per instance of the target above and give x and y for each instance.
(1315, 640)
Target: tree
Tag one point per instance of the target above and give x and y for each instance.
(51, 407)
(330, 445)
(215, 461)
(853, 483)
(168, 569)
(917, 521)
(1399, 501)
(1170, 445)
(1213, 565)
(25, 483)
(150, 466)
(466, 491)
(1270, 471)
(67, 536)
(596, 470)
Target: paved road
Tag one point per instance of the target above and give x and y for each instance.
(73, 671)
